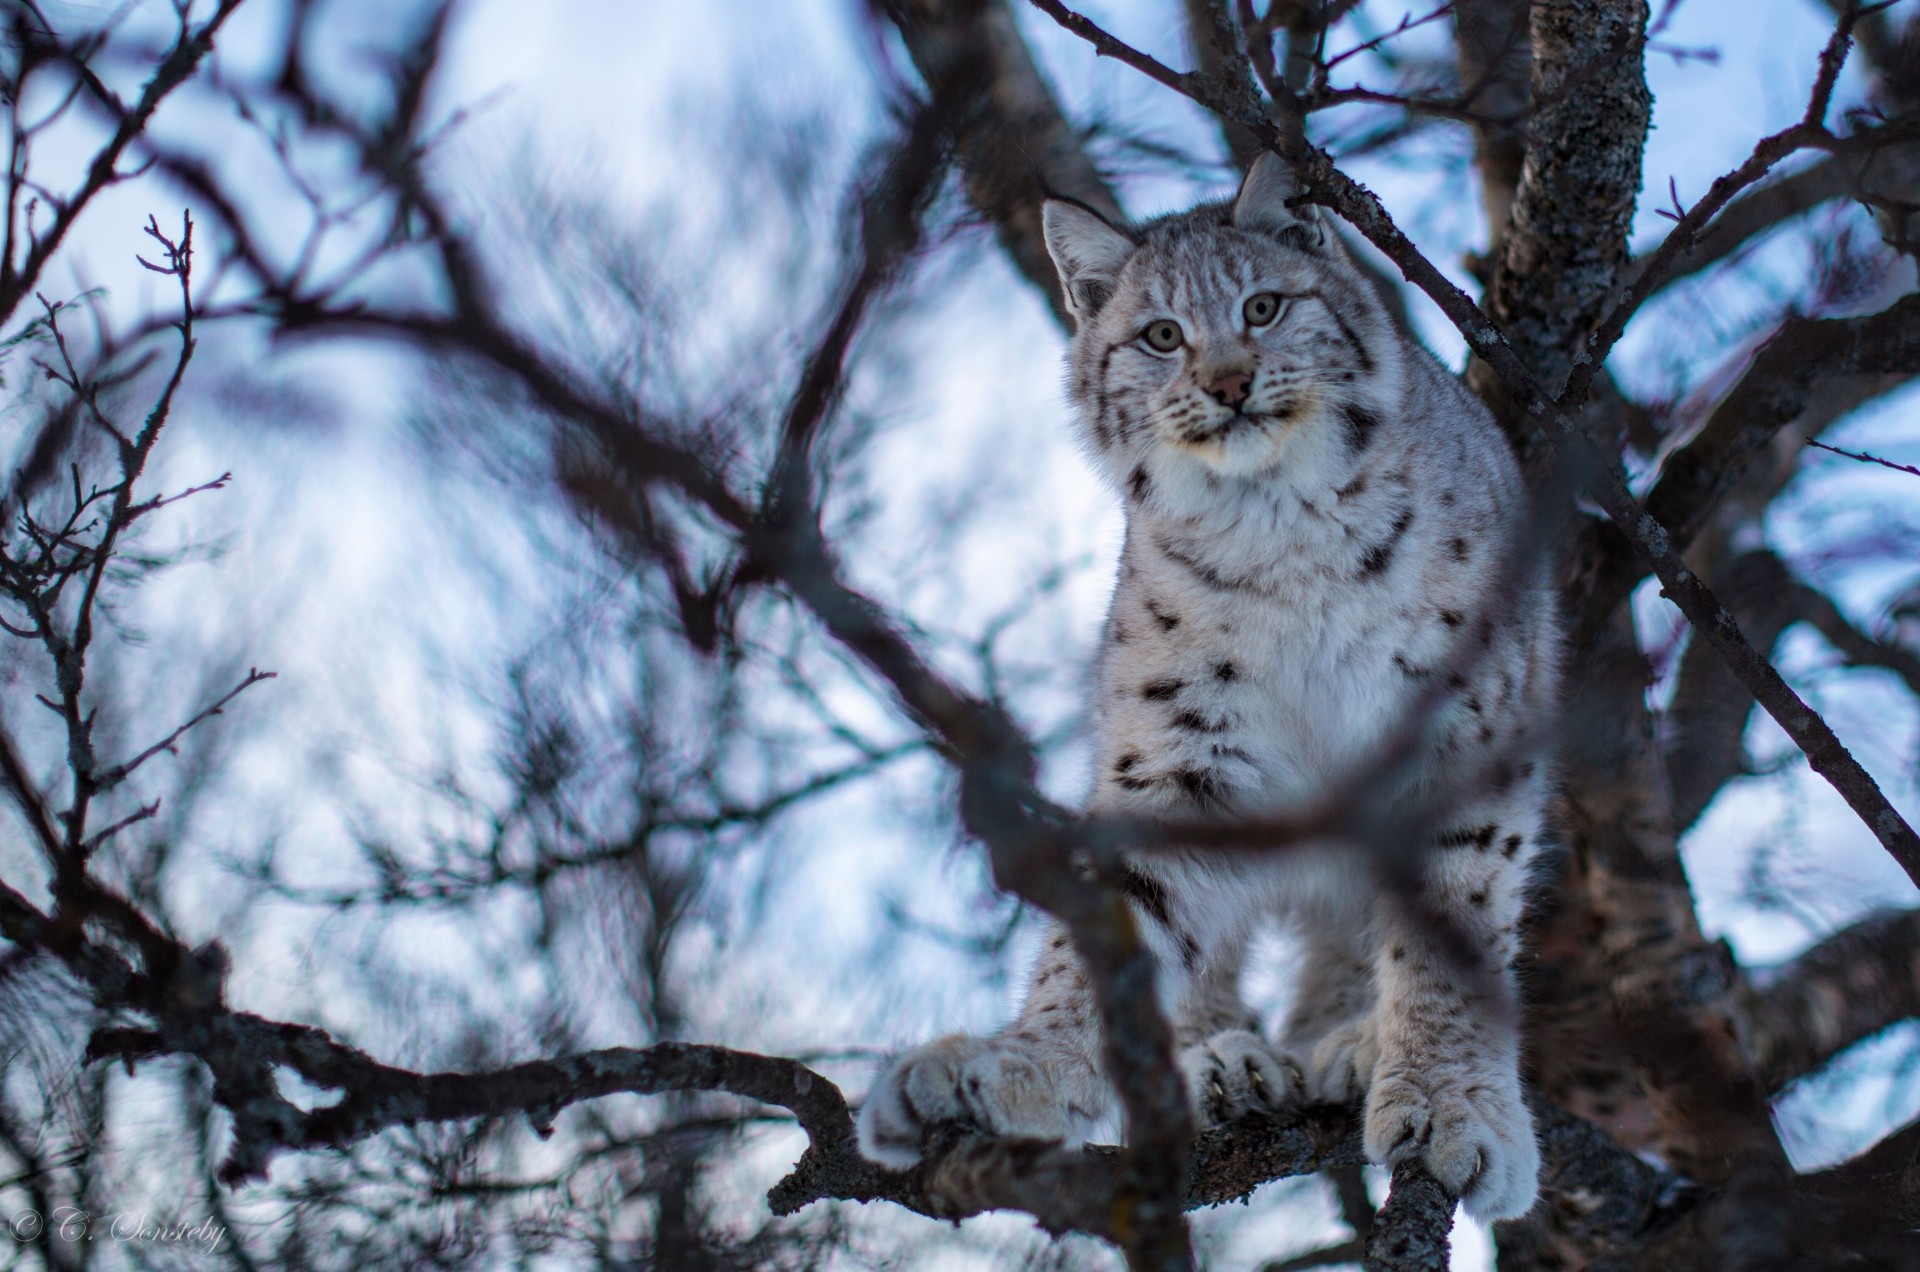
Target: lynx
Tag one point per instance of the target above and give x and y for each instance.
(1322, 553)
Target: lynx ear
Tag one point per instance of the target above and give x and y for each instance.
(1087, 251)
(1262, 205)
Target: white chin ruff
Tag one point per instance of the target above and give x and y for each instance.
(1246, 450)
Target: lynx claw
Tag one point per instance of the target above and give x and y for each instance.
(1234, 1073)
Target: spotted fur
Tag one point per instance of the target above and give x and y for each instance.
(1322, 531)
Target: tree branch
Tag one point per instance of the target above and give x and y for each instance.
(1490, 37)
(190, 48)
(1413, 1230)
(1785, 377)
(1797, 1015)
(1016, 147)
(1566, 237)
(1748, 216)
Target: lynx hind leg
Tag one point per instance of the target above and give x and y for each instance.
(1446, 1085)
(1038, 1079)
(1331, 1025)
(1229, 1069)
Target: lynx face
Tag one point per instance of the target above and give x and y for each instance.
(1226, 367)
(1231, 336)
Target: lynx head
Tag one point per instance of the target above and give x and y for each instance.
(1236, 337)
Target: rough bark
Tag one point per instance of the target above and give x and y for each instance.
(1595, 1203)
(1566, 240)
(1413, 1229)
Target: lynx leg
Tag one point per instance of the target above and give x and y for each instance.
(1042, 1076)
(1229, 1069)
(1446, 1084)
(1330, 1025)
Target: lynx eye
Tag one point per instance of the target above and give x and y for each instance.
(1261, 309)
(1163, 336)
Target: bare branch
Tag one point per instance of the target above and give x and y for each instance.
(1413, 1230)
(1759, 209)
(1863, 458)
(891, 229)
(190, 48)
(112, 777)
(1797, 1015)
(1811, 130)
(1015, 145)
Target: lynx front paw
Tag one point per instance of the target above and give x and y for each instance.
(1340, 1065)
(1475, 1137)
(1234, 1073)
(964, 1081)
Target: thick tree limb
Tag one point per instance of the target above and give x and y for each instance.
(1566, 239)
(1860, 1215)
(1063, 1189)
(1646, 988)
(1797, 1015)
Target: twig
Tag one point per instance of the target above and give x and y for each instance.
(134, 818)
(1865, 458)
(119, 773)
(190, 48)
(1407, 23)
(158, 502)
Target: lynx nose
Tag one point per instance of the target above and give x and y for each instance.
(1231, 388)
